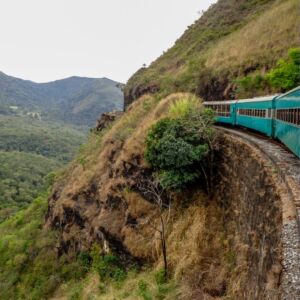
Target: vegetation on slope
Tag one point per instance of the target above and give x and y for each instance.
(22, 178)
(30, 267)
(110, 170)
(178, 147)
(29, 150)
(52, 140)
(231, 40)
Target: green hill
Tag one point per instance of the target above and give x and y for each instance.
(232, 40)
(74, 100)
(41, 127)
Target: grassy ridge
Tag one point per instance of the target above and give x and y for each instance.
(232, 39)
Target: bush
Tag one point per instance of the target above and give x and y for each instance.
(287, 73)
(185, 107)
(109, 268)
(249, 85)
(177, 148)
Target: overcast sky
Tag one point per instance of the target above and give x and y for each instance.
(44, 40)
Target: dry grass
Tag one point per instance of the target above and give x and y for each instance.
(197, 250)
(261, 40)
(233, 39)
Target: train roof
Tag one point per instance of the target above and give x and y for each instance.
(256, 99)
(220, 102)
(292, 93)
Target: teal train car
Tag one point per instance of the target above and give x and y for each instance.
(287, 120)
(255, 114)
(277, 116)
(225, 111)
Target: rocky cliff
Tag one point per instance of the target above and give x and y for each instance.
(218, 247)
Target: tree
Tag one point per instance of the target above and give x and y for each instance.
(155, 191)
(180, 150)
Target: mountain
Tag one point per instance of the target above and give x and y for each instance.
(74, 100)
(224, 54)
(42, 126)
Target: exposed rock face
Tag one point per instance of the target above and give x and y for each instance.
(106, 119)
(216, 88)
(134, 93)
(102, 202)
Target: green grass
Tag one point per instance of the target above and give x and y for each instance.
(30, 267)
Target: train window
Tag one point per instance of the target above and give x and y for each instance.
(222, 110)
(260, 113)
(290, 115)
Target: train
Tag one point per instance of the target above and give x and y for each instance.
(277, 116)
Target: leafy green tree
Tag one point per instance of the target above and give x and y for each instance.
(179, 149)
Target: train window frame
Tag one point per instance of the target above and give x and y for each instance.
(254, 112)
(221, 110)
(288, 115)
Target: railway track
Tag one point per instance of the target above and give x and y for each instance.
(288, 164)
(287, 167)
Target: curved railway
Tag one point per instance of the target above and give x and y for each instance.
(276, 116)
(286, 167)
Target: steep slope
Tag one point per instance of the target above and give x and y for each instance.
(101, 200)
(73, 100)
(231, 40)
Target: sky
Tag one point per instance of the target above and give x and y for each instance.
(45, 40)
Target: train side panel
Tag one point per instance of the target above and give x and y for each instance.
(287, 120)
(256, 114)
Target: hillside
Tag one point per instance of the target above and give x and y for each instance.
(232, 40)
(158, 204)
(101, 233)
(29, 150)
(41, 128)
(74, 100)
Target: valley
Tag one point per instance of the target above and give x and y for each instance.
(41, 128)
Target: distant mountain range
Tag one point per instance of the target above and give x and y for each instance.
(74, 100)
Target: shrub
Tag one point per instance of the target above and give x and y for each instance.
(160, 277)
(109, 268)
(85, 260)
(287, 73)
(185, 107)
(177, 148)
(249, 85)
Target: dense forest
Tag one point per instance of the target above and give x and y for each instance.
(29, 150)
